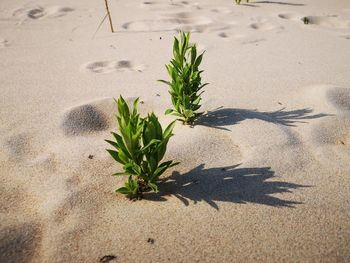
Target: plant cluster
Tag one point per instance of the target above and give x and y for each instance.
(239, 1)
(140, 147)
(141, 142)
(305, 20)
(186, 84)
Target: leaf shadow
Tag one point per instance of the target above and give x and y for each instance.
(277, 3)
(250, 5)
(222, 117)
(226, 184)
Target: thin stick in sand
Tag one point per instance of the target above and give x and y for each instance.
(109, 16)
(99, 26)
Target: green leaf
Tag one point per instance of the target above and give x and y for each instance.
(123, 108)
(163, 167)
(136, 168)
(153, 163)
(123, 190)
(166, 82)
(113, 143)
(132, 168)
(115, 156)
(125, 159)
(168, 130)
(153, 187)
(152, 142)
(168, 111)
(136, 103)
(198, 61)
(121, 144)
(120, 174)
(193, 54)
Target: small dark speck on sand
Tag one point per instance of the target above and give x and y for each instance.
(279, 103)
(142, 102)
(91, 156)
(150, 240)
(158, 95)
(160, 38)
(341, 142)
(108, 258)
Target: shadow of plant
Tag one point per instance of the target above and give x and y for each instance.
(227, 116)
(225, 184)
(277, 3)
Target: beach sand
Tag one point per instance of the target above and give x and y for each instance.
(264, 175)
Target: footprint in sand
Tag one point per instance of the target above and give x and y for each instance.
(181, 21)
(14, 198)
(331, 141)
(200, 139)
(3, 43)
(39, 12)
(20, 243)
(264, 25)
(329, 21)
(330, 137)
(113, 66)
(223, 35)
(161, 5)
(346, 37)
(186, 21)
(23, 148)
(290, 16)
(339, 98)
(18, 146)
(253, 41)
(84, 119)
(335, 131)
(221, 10)
(95, 116)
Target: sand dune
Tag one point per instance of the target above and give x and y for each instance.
(264, 173)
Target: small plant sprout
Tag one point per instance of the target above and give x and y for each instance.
(239, 1)
(185, 85)
(140, 147)
(306, 20)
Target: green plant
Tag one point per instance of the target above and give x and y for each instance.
(140, 147)
(306, 20)
(239, 1)
(185, 84)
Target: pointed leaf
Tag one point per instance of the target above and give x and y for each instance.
(168, 130)
(168, 111)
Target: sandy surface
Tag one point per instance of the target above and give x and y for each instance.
(264, 177)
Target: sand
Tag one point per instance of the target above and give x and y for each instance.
(264, 175)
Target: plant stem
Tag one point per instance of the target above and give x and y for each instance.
(109, 16)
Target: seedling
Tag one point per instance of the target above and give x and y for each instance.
(239, 1)
(140, 147)
(306, 20)
(186, 83)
